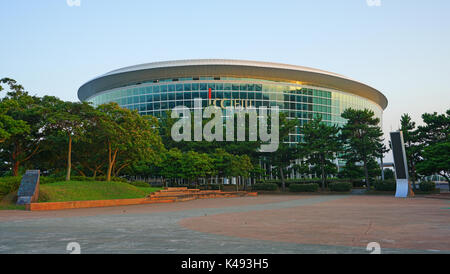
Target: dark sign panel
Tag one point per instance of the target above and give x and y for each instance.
(398, 149)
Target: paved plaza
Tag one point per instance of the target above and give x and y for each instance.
(264, 224)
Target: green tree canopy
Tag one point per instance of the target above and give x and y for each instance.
(321, 144)
(435, 137)
(412, 146)
(362, 137)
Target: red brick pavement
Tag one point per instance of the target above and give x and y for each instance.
(417, 223)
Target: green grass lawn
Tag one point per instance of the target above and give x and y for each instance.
(86, 191)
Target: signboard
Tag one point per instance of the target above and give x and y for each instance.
(29, 188)
(401, 167)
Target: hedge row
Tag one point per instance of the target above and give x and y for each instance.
(49, 180)
(139, 184)
(340, 187)
(201, 187)
(304, 187)
(355, 183)
(427, 186)
(265, 186)
(8, 185)
(388, 185)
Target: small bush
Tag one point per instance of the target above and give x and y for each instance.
(427, 186)
(9, 184)
(209, 187)
(265, 186)
(304, 187)
(340, 187)
(81, 179)
(388, 185)
(114, 179)
(49, 180)
(139, 184)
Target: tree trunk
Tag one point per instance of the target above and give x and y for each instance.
(283, 184)
(366, 173)
(413, 175)
(69, 159)
(323, 174)
(15, 161)
(16, 168)
(111, 161)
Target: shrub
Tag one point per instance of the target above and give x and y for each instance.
(387, 185)
(139, 184)
(9, 184)
(304, 187)
(340, 187)
(427, 186)
(265, 186)
(209, 187)
(82, 179)
(49, 180)
(114, 179)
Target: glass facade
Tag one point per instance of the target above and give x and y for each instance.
(298, 101)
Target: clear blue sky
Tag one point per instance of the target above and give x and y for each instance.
(401, 47)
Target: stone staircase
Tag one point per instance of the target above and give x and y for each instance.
(183, 194)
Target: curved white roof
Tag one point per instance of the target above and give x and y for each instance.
(224, 67)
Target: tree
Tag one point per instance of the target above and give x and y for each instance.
(171, 164)
(8, 125)
(351, 171)
(362, 137)
(412, 147)
(436, 160)
(435, 138)
(196, 165)
(321, 143)
(128, 137)
(69, 119)
(389, 174)
(24, 136)
(283, 157)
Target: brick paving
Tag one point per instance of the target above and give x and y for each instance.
(264, 224)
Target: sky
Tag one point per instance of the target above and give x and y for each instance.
(400, 47)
